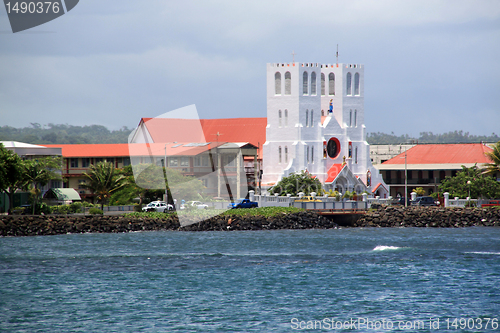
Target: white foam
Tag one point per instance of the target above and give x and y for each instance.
(497, 253)
(384, 248)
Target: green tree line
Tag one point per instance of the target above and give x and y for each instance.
(64, 134)
(429, 137)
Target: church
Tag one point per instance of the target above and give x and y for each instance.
(315, 122)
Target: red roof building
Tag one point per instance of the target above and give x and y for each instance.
(428, 164)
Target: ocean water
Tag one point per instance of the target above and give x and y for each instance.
(344, 280)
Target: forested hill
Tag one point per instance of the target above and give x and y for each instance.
(60, 134)
(54, 134)
(429, 137)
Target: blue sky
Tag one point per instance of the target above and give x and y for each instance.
(429, 65)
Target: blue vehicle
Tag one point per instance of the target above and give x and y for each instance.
(243, 203)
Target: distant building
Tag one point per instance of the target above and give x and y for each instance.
(428, 164)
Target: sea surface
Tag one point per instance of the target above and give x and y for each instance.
(343, 280)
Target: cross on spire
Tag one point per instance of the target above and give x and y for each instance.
(293, 56)
(337, 55)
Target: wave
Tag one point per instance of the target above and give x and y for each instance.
(497, 253)
(385, 248)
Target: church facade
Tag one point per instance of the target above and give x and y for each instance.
(315, 122)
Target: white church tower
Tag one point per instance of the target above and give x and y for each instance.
(315, 122)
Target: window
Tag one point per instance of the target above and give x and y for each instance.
(355, 118)
(313, 83)
(305, 88)
(356, 155)
(126, 161)
(286, 154)
(85, 162)
(277, 83)
(110, 159)
(348, 84)
(356, 84)
(204, 160)
(74, 162)
(312, 154)
(331, 84)
(184, 161)
(286, 118)
(307, 118)
(231, 159)
(172, 161)
(98, 159)
(159, 161)
(307, 152)
(81, 184)
(279, 154)
(279, 118)
(312, 118)
(288, 83)
(197, 161)
(431, 175)
(350, 118)
(322, 84)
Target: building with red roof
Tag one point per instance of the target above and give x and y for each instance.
(428, 164)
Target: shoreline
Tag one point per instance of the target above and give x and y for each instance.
(381, 216)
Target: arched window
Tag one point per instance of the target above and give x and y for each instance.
(279, 154)
(350, 118)
(307, 118)
(355, 118)
(279, 118)
(356, 155)
(312, 118)
(277, 83)
(305, 88)
(307, 149)
(331, 84)
(288, 83)
(312, 154)
(348, 84)
(286, 154)
(286, 118)
(313, 83)
(322, 84)
(356, 84)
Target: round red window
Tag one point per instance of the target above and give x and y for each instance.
(333, 147)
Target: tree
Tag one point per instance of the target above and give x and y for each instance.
(40, 172)
(295, 183)
(103, 181)
(419, 190)
(11, 174)
(149, 184)
(471, 180)
(494, 167)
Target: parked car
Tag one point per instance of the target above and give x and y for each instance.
(308, 199)
(491, 203)
(243, 203)
(423, 201)
(158, 206)
(401, 201)
(194, 204)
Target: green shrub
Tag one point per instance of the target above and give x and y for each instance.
(61, 209)
(95, 211)
(75, 207)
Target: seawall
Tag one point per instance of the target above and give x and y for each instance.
(32, 225)
(434, 217)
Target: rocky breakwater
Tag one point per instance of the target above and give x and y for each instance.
(64, 224)
(435, 217)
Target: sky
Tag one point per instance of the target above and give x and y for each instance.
(430, 66)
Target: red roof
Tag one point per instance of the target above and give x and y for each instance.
(125, 149)
(93, 150)
(251, 130)
(334, 171)
(378, 185)
(443, 154)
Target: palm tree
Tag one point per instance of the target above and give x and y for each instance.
(493, 168)
(103, 181)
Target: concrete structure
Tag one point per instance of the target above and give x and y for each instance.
(302, 133)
